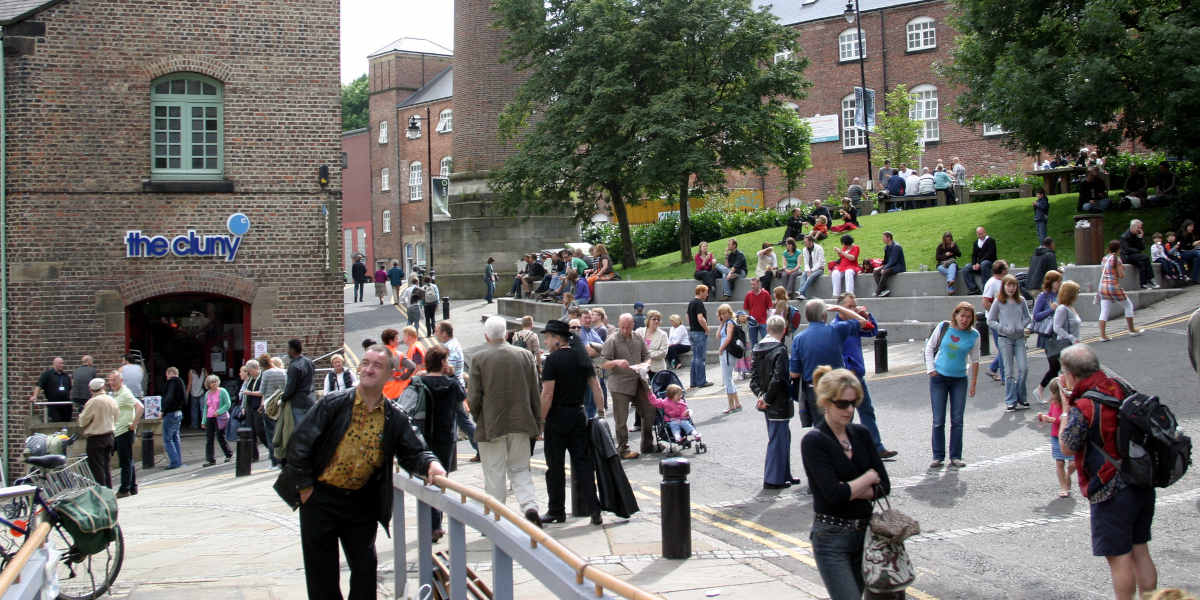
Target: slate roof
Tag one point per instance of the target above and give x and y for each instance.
(410, 44)
(791, 12)
(12, 11)
(438, 88)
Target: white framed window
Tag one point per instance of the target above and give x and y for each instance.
(420, 256)
(385, 180)
(446, 165)
(921, 33)
(783, 55)
(990, 129)
(383, 132)
(445, 121)
(413, 133)
(387, 221)
(415, 179)
(848, 45)
(852, 137)
(925, 109)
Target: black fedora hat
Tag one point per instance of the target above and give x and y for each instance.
(557, 327)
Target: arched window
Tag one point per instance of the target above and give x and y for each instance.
(187, 127)
(445, 121)
(415, 181)
(925, 109)
(446, 165)
(848, 44)
(852, 137)
(387, 221)
(921, 33)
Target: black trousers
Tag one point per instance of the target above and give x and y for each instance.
(567, 431)
(124, 444)
(1052, 372)
(331, 516)
(211, 432)
(59, 412)
(358, 291)
(430, 318)
(99, 455)
(254, 420)
(1144, 266)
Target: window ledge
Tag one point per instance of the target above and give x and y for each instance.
(854, 150)
(851, 61)
(921, 50)
(214, 186)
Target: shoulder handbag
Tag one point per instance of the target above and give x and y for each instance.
(886, 565)
(271, 405)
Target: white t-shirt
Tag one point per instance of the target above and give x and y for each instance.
(911, 184)
(766, 261)
(679, 335)
(992, 287)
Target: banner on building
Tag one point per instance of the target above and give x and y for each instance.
(867, 102)
(824, 128)
(441, 197)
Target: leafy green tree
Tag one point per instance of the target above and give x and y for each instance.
(354, 104)
(1060, 74)
(897, 135)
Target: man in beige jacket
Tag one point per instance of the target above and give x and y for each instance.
(505, 401)
(96, 422)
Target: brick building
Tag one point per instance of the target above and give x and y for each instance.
(162, 184)
(424, 150)
(357, 224)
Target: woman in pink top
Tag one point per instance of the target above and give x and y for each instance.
(706, 263)
(217, 402)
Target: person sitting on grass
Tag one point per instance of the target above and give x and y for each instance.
(849, 214)
(821, 229)
(795, 226)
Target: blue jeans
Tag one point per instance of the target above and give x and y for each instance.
(839, 553)
(1017, 365)
(724, 270)
(997, 364)
(170, 425)
(491, 291)
(975, 279)
(269, 429)
(231, 429)
(1191, 258)
(951, 272)
(806, 281)
(866, 415)
(196, 410)
(682, 426)
(699, 349)
(589, 403)
(1100, 206)
(757, 332)
(953, 390)
(463, 420)
(727, 364)
(1041, 230)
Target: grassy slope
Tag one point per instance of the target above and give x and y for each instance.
(919, 231)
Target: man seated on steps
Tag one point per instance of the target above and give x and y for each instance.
(893, 262)
(983, 254)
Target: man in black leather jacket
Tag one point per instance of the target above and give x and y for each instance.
(771, 382)
(339, 473)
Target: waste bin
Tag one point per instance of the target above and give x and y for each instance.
(1089, 239)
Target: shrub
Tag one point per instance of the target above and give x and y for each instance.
(980, 183)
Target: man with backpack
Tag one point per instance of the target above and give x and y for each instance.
(1121, 513)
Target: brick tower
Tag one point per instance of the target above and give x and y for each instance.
(475, 231)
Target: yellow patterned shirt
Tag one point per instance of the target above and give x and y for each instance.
(360, 452)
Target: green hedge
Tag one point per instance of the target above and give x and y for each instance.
(981, 183)
(662, 237)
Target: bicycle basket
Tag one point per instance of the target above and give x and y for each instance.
(90, 516)
(75, 475)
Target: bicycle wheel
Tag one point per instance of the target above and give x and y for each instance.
(85, 577)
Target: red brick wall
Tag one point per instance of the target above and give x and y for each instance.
(79, 150)
(414, 215)
(356, 191)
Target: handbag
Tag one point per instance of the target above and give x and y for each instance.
(1045, 326)
(222, 421)
(1055, 345)
(271, 406)
(886, 565)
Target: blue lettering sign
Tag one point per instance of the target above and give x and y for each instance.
(138, 245)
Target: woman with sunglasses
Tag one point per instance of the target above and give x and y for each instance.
(845, 474)
(950, 349)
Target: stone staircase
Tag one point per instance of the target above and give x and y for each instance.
(918, 300)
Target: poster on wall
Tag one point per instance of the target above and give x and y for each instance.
(824, 128)
(153, 405)
(260, 347)
(441, 197)
(866, 99)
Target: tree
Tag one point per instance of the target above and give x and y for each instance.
(1061, 74)
(897, 134)
(354, 104)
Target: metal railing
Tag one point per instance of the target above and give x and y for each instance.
(564, 573)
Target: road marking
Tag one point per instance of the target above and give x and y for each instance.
(351, 357)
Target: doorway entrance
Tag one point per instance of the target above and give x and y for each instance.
(188, 331)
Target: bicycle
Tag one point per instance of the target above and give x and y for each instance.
(52, 477)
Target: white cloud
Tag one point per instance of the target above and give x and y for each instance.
(368, 25)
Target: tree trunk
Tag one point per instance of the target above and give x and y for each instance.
(628, 256)
(685, 224)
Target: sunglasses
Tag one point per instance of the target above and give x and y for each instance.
(843, 404)
(575, 327)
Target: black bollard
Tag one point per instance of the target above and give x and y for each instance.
(245, 450)
(985, 341)
(881, 351)
(445, 307)
(676, 508)
(147, 448)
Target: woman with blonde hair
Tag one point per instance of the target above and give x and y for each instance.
(678, 342)
(656, 340)
(1008, 317)
(216, 419)
(952, 346)
(844, 474)
(784, 310)
(727, 360)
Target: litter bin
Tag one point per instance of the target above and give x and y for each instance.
(1089, 239)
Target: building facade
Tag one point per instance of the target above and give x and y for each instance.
(177, 193)
(425, 152)
(357, 225)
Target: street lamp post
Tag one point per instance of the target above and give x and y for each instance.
(852, 15)
(414, 127)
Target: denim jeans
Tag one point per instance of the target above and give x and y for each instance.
(1041, 230)
(699, 350)
(951, 272)
(170, 425)
(866, 415)
(680, 428)
(807, 281)
(491, 291)
(943, 390)
(757, 332)
(997, 364)
(269, 429)
(976, 279)
(1191, 258)
(196, 411)
(1016, 369)
(463, 420)
(727, 364)
(1100, 206)
(725, 287)
(839, 554)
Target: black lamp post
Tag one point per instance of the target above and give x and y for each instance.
(414, 128)
(852, 15)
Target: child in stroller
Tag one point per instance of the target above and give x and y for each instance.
(673, 420)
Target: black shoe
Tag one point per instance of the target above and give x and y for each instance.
(886, 454)
(209, 463)
(229, 458)
(1012, 408)
(705, 384)
(531, 515)
(884, 293)
(1023, 403)
(776, 486)
(794, 481)
(549, 518)
(596, 519)
(122, 495)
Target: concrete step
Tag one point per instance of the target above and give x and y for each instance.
(913, 283)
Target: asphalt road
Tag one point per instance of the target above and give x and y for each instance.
(995, 529)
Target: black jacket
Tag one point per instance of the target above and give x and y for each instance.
(438, 427)
(795, 229)
(893, 258)
(312, 446)
(1041, 211)
(1043, 261)
(770, 378)
(536, 270)
(942, 254)
(612, 486)
(299, 388)
(1091, 191)
(358, 272)
(1132, 244)
(736, 261)
(987, 252)
(173, 396)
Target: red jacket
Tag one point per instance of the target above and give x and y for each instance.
(1094, 471)
(757, 304)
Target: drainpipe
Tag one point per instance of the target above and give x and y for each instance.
(3, 258)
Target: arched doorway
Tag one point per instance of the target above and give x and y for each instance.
(185, 331)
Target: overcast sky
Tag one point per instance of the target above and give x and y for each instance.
(368, 25)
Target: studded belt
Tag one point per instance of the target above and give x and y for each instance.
(853, 524)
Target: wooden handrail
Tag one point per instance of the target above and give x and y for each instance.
(17, 564)
(583, 570)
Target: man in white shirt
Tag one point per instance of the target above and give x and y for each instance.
(912, 183)
(812, 263)
(340, 378)
(990, 289)
(925, 183)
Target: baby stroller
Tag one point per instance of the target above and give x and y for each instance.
(662, 433)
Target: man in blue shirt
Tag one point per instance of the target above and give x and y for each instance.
(819, 344)
(852, 356)
(895, 184)
(396, 279)
(893, 262)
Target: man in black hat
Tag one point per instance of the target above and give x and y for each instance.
(566, 376)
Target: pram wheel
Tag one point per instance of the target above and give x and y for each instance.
(701, 448)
